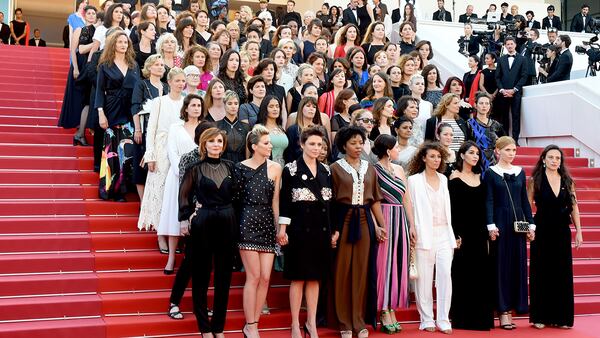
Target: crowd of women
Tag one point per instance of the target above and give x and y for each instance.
(347, 159)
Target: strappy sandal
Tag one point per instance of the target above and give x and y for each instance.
(396, 323)
(364, 333)
(387, 328)
(174, 312)
(505, 322)
(346, 334)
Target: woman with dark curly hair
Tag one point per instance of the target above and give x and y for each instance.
(435, 242)
(357, 200)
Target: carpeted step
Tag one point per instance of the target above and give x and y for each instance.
(66, 224)
(29, 112)
(586, 267)
(29, 208)
(577, 173)
(588, 194)
(587, 183)
(130, 241)
(45, 243)
(531, 160)
(45, 150)
(586, 285)
(589, 206)
(156, 280)
(51, 163)
(52, 262)
(60, 137)
(50, 129)
(536, 151)
(591, 234)
(88, 328)
(158, 301)
(64, 283)
(29, 95)
(48, 87)
(34, 81)
(50, 307)
(131, 260)
(40, 192)
(30, 121)
(48, 177)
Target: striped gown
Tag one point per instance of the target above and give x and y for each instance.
(393, 254)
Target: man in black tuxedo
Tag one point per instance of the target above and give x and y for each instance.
(466, 18)
(4, 30)
(350, 15)
(562, 72)
(37, 40)
(441, 14)
(511, 75)
(551, 21)
(582, 21)
(530, 22)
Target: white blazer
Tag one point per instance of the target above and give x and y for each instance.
(422, 210)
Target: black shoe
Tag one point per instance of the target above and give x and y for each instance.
(80, 141)
(168, 272)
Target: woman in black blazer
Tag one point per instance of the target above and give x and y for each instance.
(447, 111)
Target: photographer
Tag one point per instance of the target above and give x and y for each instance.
(565, 60)
(549, 64)
(529, 50)
(469, 43)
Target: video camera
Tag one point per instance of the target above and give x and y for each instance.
(592, 43)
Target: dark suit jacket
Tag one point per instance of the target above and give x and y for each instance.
(555, 23)
(508, 17)
(577, 23)
(396, 16)
(536, 24)
(563, 68)
(42, 43)
(348, 17)
(526, 52)
(5, 33)
(514, 77)
(447, 16)
(464, 19)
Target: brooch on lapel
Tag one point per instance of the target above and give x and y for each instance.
(304, 177)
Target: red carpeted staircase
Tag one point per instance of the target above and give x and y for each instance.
(73, 266)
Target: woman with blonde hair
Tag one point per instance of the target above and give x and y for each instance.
(141, 101)
(113, 90)
(260, 179)
(506, 203)
(447, 111)
(289, 48)
(165, 111)
(305, 74)
(253, 49)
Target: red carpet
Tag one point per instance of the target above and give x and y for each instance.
(74, 266)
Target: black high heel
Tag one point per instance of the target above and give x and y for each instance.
(80, 140)
(306, 331)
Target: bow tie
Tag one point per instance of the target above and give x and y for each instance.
(511, 55)
(510, 177)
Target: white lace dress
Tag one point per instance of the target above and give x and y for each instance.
(156, 151)
(179, 144)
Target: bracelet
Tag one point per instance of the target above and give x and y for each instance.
(137, 131)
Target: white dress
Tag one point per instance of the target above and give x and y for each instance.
(165, 112)
(179, 144)
(419, 123)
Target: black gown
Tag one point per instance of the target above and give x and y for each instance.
(77, 92)
(305, 200)
(551, 265)
(509, 250)
(472, 302)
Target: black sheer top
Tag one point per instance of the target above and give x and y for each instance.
(236, 139)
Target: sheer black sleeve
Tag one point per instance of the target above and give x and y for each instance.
(186, 194)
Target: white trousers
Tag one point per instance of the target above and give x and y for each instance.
(438, 257)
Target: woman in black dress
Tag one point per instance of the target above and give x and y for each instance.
(236, 130)
(504, 183)
(259, 179)
(19, 29)
(472, 307)
(304, 227)
(231, 74)
(143, 93)
(117, 75)
(213, 227)
(75, 107)
(551, 267)
(145, 46)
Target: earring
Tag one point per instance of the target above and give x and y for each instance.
(544, 165)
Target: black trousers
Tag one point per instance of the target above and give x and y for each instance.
(183, 276)
(98, 140)
(212, 243)
(507, 107)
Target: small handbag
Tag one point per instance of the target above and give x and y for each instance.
(412, 268)
(519, 226)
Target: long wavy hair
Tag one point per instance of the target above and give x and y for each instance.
(263, 111)
(110, 49)
(537, 175)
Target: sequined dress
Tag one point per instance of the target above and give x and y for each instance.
(257, 227)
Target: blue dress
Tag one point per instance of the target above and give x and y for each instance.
(509, 250)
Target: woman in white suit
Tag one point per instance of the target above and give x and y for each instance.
(435, 238)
